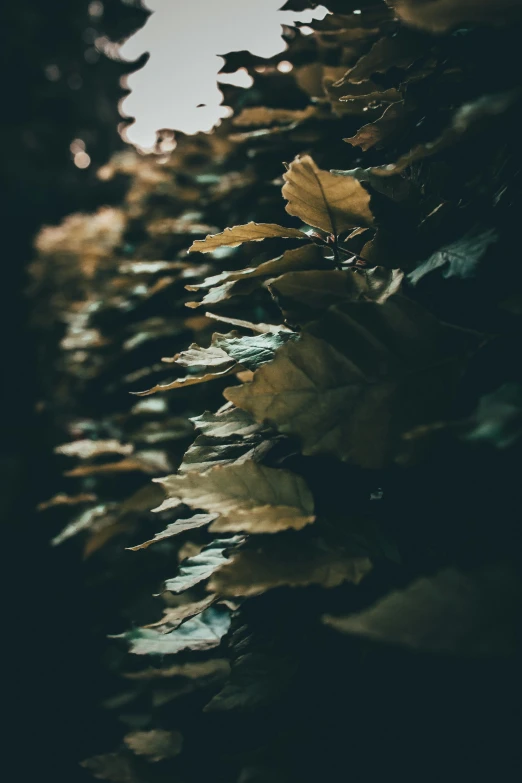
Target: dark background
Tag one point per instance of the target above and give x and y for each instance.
(55, 88)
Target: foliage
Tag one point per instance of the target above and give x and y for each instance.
(351, 497)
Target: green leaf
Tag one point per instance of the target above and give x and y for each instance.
(247, 496)
(196, 569)
(200, 633)
(459, 259)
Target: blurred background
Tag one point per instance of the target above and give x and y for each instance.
(81, 80)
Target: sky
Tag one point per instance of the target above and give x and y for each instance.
(184, 39)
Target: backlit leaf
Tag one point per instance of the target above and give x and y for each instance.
(251, 232)
(321, 199)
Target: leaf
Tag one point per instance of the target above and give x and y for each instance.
(260, 328)
(192, 670)
(307, 257)
(320, 199)
(459, 259)
(198, 634)
(498, 418)
(252, 352)
(177, 527)
(311, 78)
(247, 496)
(229, 423)
(156, 744)
(210, 363)
(357, 104)
(358, 379)
(257, 679)
(441, 15)
(173, 616)
(319, 290)
(288, 561)
(198, 568)
(147, 461)
(251, 232)
(476, 113)
(451, 612)
(221, 293)
(87, 448)
(375, 133)
(398, 51)
(227, 436)
(394, 187)
(83, 522)
(61, 499)
(112, 766)
(262, 116)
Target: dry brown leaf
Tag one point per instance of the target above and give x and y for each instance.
(373, 134)
(441, 15)
(247, 496)
(174, 615)
(262, 116)
(198, 568)
(251, 232)
(399, 51)
(150, 461)
(177, 527)
(192, 670)
(358, 379)
(319, 290)
(370, 100)
(112, 766)
(289, 562)
(156, 744)
(259, 328)
(473, 613)
(212, 362)
(307, 257)
(324, 200)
